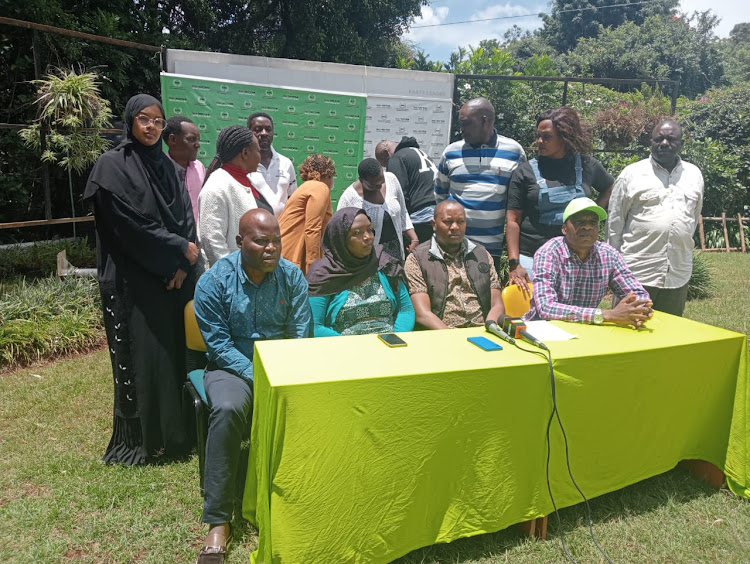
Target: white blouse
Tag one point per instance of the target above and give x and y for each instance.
(394, 205)
(274, 198)
(222, 202)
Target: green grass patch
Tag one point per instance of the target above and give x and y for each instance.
(60, 503)
(46, 318)
(729, 303)
(40, 260)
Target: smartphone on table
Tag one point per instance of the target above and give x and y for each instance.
(484, 343)
(392, 340)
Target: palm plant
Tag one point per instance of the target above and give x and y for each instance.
(71, 114)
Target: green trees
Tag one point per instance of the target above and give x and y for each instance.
(571, 20)
(344, 31)
(681, 49)
(719, 126)
(735, 52)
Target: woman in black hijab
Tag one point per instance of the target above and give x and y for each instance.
(145, 254)
(357, 288)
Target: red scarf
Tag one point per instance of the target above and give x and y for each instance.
(240, 176)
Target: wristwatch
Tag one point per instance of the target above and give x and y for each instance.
(598, 317)
(512, 263)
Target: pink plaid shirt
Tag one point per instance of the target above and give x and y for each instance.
(567, 288)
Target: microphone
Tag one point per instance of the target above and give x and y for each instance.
(517, 328)
(492, 327)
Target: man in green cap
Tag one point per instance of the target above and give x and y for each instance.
(573, 272)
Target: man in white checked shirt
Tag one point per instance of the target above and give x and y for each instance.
(653, 213)
(475, 172)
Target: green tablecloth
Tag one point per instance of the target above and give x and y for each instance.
(361, 453)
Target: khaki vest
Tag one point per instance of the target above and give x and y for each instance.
(436, 276)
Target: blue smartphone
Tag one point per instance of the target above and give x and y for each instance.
(484, 343)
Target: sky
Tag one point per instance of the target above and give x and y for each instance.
(438, 42)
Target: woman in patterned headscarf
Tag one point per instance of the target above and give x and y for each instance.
(145, 254)
(357, 288)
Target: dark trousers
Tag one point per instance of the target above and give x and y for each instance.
(230, 399)
(668, 300)
(423, 231)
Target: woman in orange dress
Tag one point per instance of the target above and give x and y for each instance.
(307, 212)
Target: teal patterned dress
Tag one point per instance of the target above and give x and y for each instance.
(367, 310)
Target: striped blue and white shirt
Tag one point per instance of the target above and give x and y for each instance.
(477, 178)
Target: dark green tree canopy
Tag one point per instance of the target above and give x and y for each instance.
(343, 31)
(663, 47)
(571, 20)
(736, 54)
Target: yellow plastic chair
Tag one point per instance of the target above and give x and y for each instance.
(195, 362)
(516, 305)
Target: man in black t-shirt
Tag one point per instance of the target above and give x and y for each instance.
(416, 174)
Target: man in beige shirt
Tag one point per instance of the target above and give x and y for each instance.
(452, 281)
(653, 213)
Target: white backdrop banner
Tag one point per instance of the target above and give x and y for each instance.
(399, 102)
(391, 118)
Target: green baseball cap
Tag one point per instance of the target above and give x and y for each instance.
(583, 204)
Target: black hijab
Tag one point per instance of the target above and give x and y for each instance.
(142, 176)
(339, 270)
(158, 167)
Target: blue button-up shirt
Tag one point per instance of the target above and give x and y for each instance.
(233, 312)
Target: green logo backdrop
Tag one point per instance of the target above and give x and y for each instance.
(304, 122)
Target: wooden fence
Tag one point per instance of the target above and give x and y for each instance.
(42, 222)
(723, 219)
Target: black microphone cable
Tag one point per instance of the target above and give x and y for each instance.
(556, 413)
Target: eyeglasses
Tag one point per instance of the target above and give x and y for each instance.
(145, 121)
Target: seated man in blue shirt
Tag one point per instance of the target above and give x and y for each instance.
(249, 295)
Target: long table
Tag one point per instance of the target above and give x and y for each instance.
(361, 453)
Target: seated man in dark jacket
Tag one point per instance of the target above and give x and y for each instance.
(452, 281)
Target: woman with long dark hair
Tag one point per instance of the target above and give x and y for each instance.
(540, 189)
(145, 255)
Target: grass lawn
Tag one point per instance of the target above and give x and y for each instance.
(60, 503)
(729, 305)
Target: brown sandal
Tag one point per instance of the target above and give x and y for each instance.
(214, 554)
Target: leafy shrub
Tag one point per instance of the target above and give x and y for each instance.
(721, 168)
(47, 318)
(614, 162)
(40, 260)
(630, 121)
(719, 125)
(714, 234)
(700, 284)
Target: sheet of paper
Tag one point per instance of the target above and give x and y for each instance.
(545, 331)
